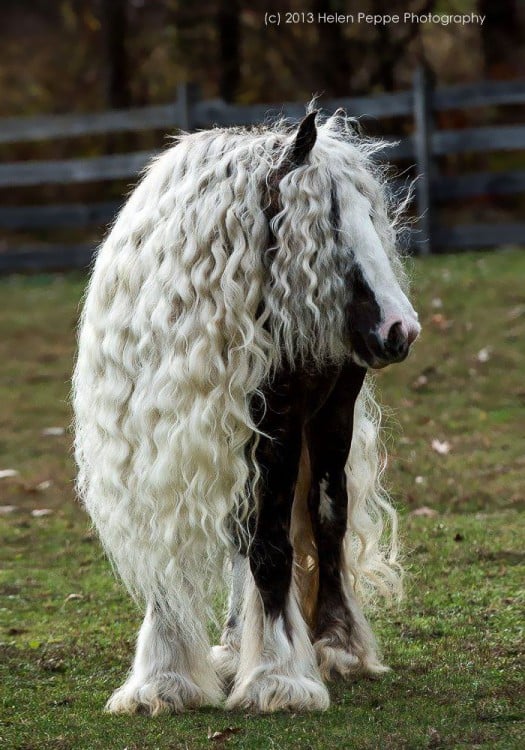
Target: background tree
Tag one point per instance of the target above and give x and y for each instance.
(502, 38)
(111, 53)
(115, 26)
(229, 52)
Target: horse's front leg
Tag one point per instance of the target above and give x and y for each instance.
(277, 666)
(343, 639)
(225, 657)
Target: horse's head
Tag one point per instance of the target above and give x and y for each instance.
(380, 322)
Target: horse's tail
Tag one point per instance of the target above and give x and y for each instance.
(371, 549)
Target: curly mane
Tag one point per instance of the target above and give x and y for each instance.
(194, 300)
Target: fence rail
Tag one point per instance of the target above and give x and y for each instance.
(69, 171)
(190, 112)
(58, 216)
(50, 127)
(121, 166)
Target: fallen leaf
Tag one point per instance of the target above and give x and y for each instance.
(223, 734)
(441, 447)
(425, 512)
(39, 512)
(73, 597)
(45, 485)
(484, 354)
(67, 701)
(441, 322)
(516, 312)
(419, 382)
(41, 486)
(6, 473)
(52, 664)
(53, 431)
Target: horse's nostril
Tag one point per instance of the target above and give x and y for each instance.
(413, 333)
(395, 332)
(391, 341)
(397, 339)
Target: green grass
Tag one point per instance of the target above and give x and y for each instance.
(67, 628)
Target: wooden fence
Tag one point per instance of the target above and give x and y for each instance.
(190, 112)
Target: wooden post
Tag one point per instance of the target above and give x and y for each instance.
(187, 95)
(424, 122)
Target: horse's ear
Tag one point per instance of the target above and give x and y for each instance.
(338, 119)
(304, 140)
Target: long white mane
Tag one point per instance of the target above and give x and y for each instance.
(191, 304)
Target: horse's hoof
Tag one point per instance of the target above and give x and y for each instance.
(335, 660)
(163, 693)
(267, 693)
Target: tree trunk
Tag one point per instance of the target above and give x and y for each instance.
(229, 29)
(501, 38)
(114, 24)
(333, 59)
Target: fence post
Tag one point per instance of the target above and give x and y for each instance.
(187, 95)
(423, 85)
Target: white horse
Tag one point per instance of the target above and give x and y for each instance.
(224, 413)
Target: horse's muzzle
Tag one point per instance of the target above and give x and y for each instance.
(386, 347)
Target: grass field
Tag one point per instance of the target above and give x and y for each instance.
(456, 447)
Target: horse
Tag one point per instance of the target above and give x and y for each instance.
(226, 425)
